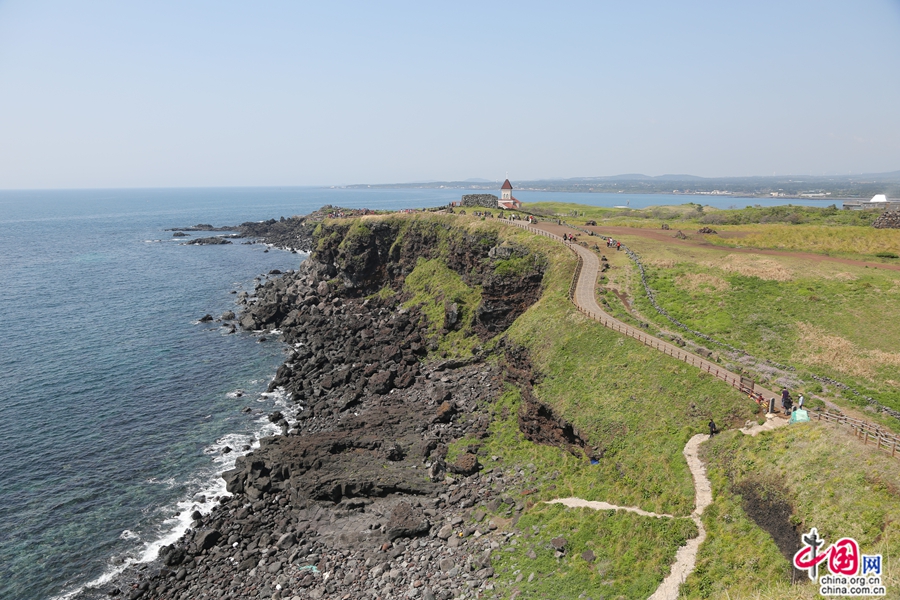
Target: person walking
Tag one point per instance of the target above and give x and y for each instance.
(712, 428)
(800, 402)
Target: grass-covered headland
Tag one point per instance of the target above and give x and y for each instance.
(444, 309)
(637, 408)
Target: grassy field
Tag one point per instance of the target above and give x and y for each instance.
(826, 477)
(797, 228)
(638, 408)
(807, 313)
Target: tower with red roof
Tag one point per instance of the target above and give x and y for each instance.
(506, 198)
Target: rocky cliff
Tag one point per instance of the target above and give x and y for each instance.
(356, 498)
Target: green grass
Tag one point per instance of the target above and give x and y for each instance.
(801, 321)
(696, 213)
(636, 405)
(859, 241)
(632, 553)
(434, 286)
(640, 407)
(832, 482)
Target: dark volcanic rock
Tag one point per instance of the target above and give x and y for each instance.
(445, 412)
(467, 464)
(357, 481)
(406, 521)
(207, 539)
(208, 241)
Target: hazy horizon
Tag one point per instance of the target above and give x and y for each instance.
(106, 95)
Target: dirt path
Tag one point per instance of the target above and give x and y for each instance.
(584, 298)
(586, 301)
(579, 503)
(686, 556)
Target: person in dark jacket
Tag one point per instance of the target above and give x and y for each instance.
(712, 428)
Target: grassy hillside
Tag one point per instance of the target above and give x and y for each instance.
(825, 477)
(637, 408)
(827, 318)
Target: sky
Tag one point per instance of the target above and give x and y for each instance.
(190, 93)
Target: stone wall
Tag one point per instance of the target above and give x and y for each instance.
(888, 220)
(483, 200)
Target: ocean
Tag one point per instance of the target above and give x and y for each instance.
(116, 403)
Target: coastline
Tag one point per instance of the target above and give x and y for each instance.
(396, 501)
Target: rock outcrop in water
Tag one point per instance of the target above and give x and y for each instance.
(358, 499)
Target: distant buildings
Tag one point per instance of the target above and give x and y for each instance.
(878, 202)
(505, 201)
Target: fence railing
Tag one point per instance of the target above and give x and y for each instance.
(868, 432)
(607, 321)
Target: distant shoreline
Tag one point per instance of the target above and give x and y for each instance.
(607, 192)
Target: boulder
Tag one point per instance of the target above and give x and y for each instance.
(382, 382)
(406, 521)
(207, 539)
(445, 412)
(467, 464)
(559, 543)
(171, 555)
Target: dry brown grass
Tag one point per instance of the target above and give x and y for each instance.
(814, 346)
(695, 282)
(660, 263)
(842, 276)
(753, 266)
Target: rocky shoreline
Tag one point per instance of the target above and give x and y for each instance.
(357, 498)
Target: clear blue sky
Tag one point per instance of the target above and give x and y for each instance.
(218, 93)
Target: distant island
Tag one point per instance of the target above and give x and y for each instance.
(827, 187)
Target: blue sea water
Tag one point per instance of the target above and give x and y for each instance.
(115, 403)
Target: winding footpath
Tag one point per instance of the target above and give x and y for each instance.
(583, 297)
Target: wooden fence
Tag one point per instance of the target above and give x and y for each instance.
(655, 343)
(868, 432)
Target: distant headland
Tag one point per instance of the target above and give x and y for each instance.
(826, 187)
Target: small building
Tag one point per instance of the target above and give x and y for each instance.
(507, 201)
(878, 202)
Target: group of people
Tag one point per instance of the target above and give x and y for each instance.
(569, 237)
(787, 403)
(611, 243)
(516, 217)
